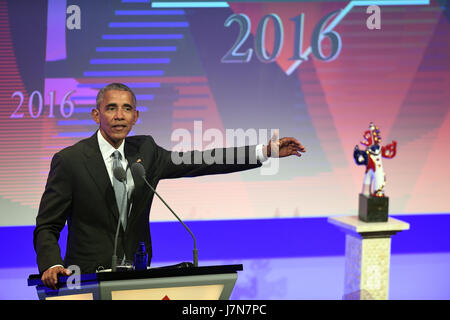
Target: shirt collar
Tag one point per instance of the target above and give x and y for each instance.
(107, 149)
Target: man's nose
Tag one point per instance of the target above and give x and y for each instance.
(119, 113)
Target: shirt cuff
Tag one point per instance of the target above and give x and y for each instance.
(259, 153)
(56, 265)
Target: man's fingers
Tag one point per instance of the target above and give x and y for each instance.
(54, 279)
(50, 282)
(294, 151)
(298, 146)
(292, 141)
(50, 276)
(285, 147)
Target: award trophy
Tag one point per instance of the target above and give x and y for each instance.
(373, 204)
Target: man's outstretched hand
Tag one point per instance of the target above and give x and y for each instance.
(284, 147)
(50, 276)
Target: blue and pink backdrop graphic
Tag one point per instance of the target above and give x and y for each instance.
(187, 64)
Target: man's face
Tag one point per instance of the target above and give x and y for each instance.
(116, 116)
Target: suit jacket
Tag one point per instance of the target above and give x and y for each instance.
(79, 191)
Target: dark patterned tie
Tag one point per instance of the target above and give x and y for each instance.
(119, 189)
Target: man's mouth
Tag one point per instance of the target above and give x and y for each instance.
(119, 127)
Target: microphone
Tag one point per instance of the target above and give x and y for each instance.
(139, 170)
(119, 174)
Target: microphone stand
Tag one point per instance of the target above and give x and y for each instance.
(114, 257)
(139, 169)
(195, 252)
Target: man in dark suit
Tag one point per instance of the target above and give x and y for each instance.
(79, 188)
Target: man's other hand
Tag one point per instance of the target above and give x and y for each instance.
(50, 276)
(284, 147)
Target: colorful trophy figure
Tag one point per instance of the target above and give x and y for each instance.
(373, 204)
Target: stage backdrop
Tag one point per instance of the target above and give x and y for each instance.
(319, 71)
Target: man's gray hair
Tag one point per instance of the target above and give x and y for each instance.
(114, 86)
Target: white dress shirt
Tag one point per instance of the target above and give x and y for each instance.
(107, 150)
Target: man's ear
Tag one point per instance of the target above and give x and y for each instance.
(95, 115)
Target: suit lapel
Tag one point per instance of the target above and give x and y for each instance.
(96, 167)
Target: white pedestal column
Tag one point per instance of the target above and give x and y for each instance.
(367, 256)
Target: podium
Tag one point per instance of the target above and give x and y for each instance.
(367, 256)
(194, 283)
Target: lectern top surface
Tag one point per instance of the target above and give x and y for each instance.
(35, 279)
(352, 223)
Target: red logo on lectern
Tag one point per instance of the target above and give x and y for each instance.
(165, 298)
